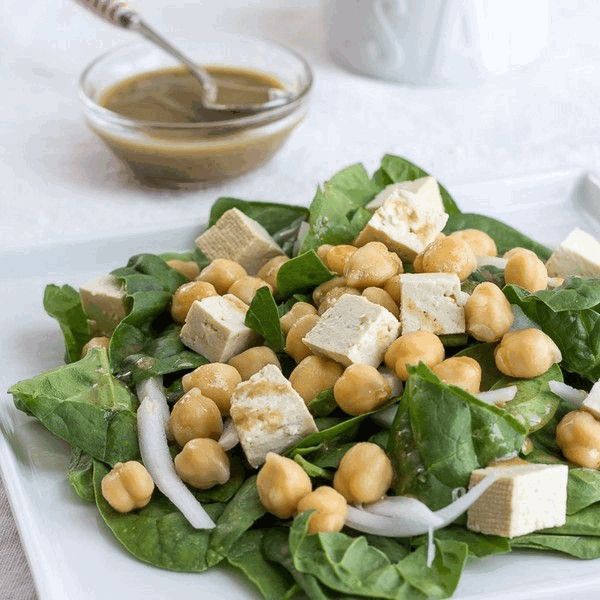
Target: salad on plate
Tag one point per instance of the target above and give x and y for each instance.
(350, 400)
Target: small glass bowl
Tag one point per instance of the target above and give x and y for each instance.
(184, 154)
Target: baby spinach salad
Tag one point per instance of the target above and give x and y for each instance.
(350, 400)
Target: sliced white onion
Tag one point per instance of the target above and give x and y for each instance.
(430, 548)
(405, 517)
(153, 388)
(385, 417)
(229, 438)
(568, 393)
(157, 459)
(499, 396)
(492, 261)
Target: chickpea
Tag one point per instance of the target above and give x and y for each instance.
(481, 243)
(253, 360)
(331, 509)
(222, 273)
(313, 375)
(578, 437)
(360, 389)
(268, 272)
(513, 252)
(371, 265)
(381, 297)
(449, 255)
(392, 287)
(188, 268)
(488, 313)
(461, 371)
(186, 295)
(245, 288)
(203, 464)
(322, 252)
(321, 291)
(338, 256)
(333, 296)
(526, 353)
(413, 348)
(127, 486)
(215, 381)
(364, 475)
(298, 310)
(95, 342)
(195, 416)
(281, 484)
(525, 269)
(294, 345)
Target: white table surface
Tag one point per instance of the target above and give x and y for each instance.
(59, 183)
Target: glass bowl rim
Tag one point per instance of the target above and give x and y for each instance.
(236, 123)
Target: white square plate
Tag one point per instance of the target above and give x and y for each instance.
(73, 555)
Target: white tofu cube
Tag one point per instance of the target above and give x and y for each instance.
(214, 327)
(524, 499)
(432, 302)
(353, 330)
(426, 190)
(592, 401)
(103, 301)
(404, 224)
(269, 415)
(578, 254)
(238, 237)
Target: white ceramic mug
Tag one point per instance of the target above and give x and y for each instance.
(436, 41)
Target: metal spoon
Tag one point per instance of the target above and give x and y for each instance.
(117, 12)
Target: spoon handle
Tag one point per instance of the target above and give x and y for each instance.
(119, 13)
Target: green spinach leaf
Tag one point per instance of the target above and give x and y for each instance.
(585, 522)
(573, 545)
(80, 474)
(323, 404)
(504, 235)
(311, 469)
(534, 405)
(272, 581)
(303, 272)
(351, 566)
(64, 304)
(480, 545)
(488, 273)
(546, 436)
(395, 169)
(569, 317)
(441, 434)
(83, 404)
(263, 317)
(239, 515)
(583, 489)
(158, 533)
(337, 211)
(150, 284)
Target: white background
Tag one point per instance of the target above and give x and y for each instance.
(57, 182)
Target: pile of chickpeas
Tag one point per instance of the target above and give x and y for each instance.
(365, 473)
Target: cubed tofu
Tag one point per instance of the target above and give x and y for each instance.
(525, 498)
(432, 302)
(214, 327)
(426, 189)
(269, 415)
(404, 224)
(104, 302)
(578, 254)
(238, 237)
(353, 330)
(592, 401)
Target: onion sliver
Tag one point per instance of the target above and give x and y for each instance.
(412, 517)
(568, 393)
(153, 388)
(157, 459)
(499, 396)
(385, 417)
(229, 438)
(493, 261)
